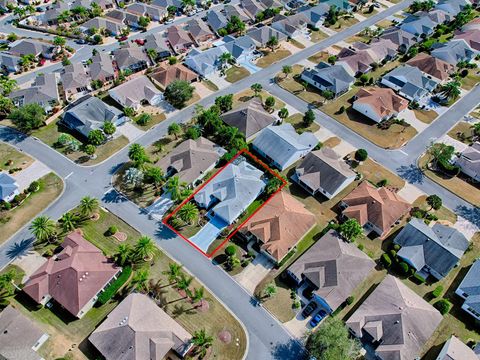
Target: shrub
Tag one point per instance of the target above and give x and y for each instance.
(341, 110)
(112, 289)
(112, 230)
(420, 279)
(350, 300)
(396, 247)
(360, 246)
(245, 262)
(6, 205)
(393, 254)
(403, 267)
(361, 155)
(443, 305)
(437, 291)
(48, 253)
(382, 183)
(231, 250)
(34, 186)
(296, 304)
(386, 261)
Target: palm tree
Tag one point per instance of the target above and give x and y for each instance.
(19, 11)
(43, 228)
(202, 341)
(174, 129)
(272, 43)
(69, 221)
(256, 88)
(451, 90)
(198, 294)
(88, 205)
(174, 187)
(287, 69)
(140, 279)
(123, 254)
(476, 129)
(64, 16)
(283, 113)
(183, 283)
(137, 154)
(228, 133)
(174, 271)
(7, 287)
(188, 213)
(154, 175)
(187, 4)
(225, 58)
(144, 248)
(270, 289)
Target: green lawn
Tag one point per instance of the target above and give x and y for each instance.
(271, 57)
(236, 73)
(156, 119)
(443, 213)
(11, 158)
(462, 131)
(297, 121)
(318, 57)
(471, 79)
(374, 172)
(426, 116)
(317, 36)
(248, 94)
(51, 186)
(210, 85)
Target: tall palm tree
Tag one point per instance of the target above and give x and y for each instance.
(144, 248)
(256, 88)
(88, 205)
(137, 154)
(184, 282)
(270, 289)
(188, 213)
(225, 58)
(43, 228)
(154, 175)
(174, 187)
(198, 294)
(202, 341)
(174, 271)
(451, 89)
(140, 279)
(123, 254)
(7, 287)
(228, 133)
(69, 221)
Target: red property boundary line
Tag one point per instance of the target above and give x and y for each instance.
(258, 161)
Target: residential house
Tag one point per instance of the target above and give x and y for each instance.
(165, 74)
(90, 113)
(21, 337)
(191, 160)
(469, 290)
(227, 195)
(139, 329)
(43, 91)
(379, 104)
(102, 68)
(395, 321)
(455, 349)
(331, 269)
(403, 39)
(152, 12)
(32, 47)
(452, 7)
(51, 14)
(216, 20)
(179, 39)
(333, 78)
(293, 25)
(199, 31)
(469, 161)
(471, 37)
(419, 26)
(156, 42)
(282, 146)
(355, 62)
(342, 5)
(249, 118)
(279, 226)
(323, 172)
(432, 66)
(271, 4)
(376, 209)
(112, 26)
(132, 57)
(431, 250)
(252, 8)
(472, 25)
(166, 3)
(454, 51)
(8, 187)
(10, 62)
(124, 17)
(206, 62)
(4, 4)
(438, 16)
(73, 278)
(104, 4)
(75, 81)
(235, 10)
(262, 35)
(316, 15)
(410, 82)
(241, 48)
(136, 92)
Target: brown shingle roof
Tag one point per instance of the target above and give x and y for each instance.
(432, 66)
(166, 74)
(472, 38)
(379, 206)
(280, 224)
(384, 101)
(74, 276)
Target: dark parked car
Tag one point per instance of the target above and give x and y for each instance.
(317, 318)
(309, 309)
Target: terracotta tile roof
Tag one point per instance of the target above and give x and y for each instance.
(166, 74)
(280, 224)
(379, 206)
(74, 276)
(384, 101)
(432, 66)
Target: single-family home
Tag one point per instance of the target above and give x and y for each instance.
(21, 337)
(432, 66)
(74, 80)
(342, 5)
(153, 12)
(235, 10)
(410, 82)
(452, 7)
(438, 16)
(8, 187)
(471, 37)
(249, 118)
(90, 113)
(191, 160)
(51, 14)
(454, 51)
(355, 62)
(206, 62)
(419, 26)
(403, 39)
(262, 35)
(166, 3)
(112, 26)
(431, 250)
(376, 209)
(124, 17)
(216, 20)
(156, 42)
(136, 92)
(293, 25)
(455, 349)
(469, 290)
(165, 74)
(379, 104)
(32, 47)
(179, 39)
(323, 172)
(5, 4)
(227, 195)
(282, 146)
(132, 57)
(139, 329)
(394, 320)
(469, 161)
(43, 91)
(472, 25)
(199, 31)
(333, 78)
(278, 226)
(241, 48)
(73, 278)
(271, 4)
(10, 62)
(330, 270)
(316, 15)
(102, 68)
(252, 7)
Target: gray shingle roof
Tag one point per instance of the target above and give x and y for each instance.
(262, 35)
(74, 76)
(238, 46)
(469, 160)
(471, 286)
(333, 77)
(454, 51)
(8, 185)
(43, 90)
(28, 46)
(399, 37)
(101, 66)
(216, 20)
(204, 62)
(411, 81)
(418, 25)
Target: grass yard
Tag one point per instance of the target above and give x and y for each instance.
(374, 172)
(392, 138)
(51, 186)
(318, 57)
(384, 24)
(425, 116)
(193, 100)
(279, 305)
(11, 158)
(271, 57)
(383, 69)
(367, 13)
(210, 85)
(317, 36)
(296, 43)
(464, 188)
(471, 80)
(443, 213)
(297, 121)
(332, 142)
(236, 73)
(462, 131)
(50, 133)
(156, 119)
(248, 94)
(344, 23)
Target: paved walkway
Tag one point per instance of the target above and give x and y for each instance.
(254, 273)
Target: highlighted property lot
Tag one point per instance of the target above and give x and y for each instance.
(224, 203)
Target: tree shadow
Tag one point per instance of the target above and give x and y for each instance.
(10, 135)
(411, 173)
(291, 350)
(470, 213)
(165, 233)
(20, 248)
(113, 197)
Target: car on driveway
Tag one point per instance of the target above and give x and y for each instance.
(309, 309)
(317, 318)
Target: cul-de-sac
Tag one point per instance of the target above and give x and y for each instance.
(240, 179)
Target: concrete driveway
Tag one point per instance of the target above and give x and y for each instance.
(208, 233)
(34, 172)
(159, 207)
(255, 272)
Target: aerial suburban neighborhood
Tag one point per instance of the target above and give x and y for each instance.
(240, 179)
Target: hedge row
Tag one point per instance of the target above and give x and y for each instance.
(112, 289)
